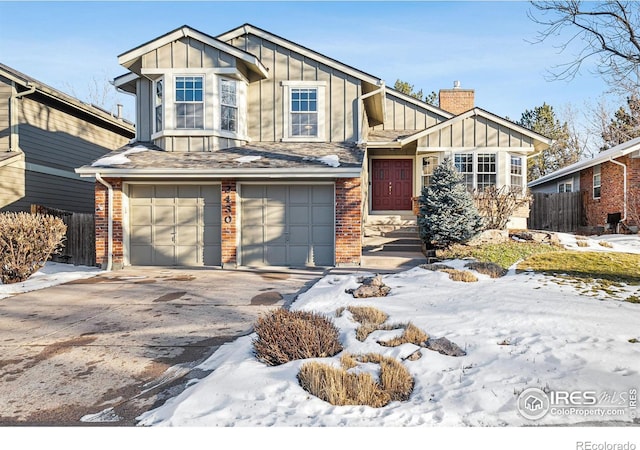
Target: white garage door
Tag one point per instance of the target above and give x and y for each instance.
(287, 225)
(174, 225)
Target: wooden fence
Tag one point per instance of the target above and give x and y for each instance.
(79, 245)
(556, 212)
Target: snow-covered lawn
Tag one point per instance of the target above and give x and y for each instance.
(50, 275)
(519, 331)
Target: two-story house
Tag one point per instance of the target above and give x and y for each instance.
(254, 150)
(44, 135)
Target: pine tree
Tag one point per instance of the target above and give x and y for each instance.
(447, 211)
(624, 126)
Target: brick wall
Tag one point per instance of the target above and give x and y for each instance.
(457, 101)
(229, 223)
(102, 223)
(611, 192)
(348, 221)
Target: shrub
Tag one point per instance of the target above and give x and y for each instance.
(340, 387)
(487, 268)
(367, 314)
(582, 243)
(27, 241)
(447, 212)
(497, 205)
(605, 244)
(285, 336)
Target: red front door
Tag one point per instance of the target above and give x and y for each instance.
(391, 184)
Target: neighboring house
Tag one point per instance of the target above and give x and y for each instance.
(44, 135)
(254, 150)
(608, 183)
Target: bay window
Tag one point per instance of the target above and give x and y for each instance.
(228, 105)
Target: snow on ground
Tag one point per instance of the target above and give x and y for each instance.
(625, 243)
(50, 275)
(519, 331)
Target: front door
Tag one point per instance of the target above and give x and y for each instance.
(391, 184)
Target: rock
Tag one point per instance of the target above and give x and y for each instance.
(371, 287)
(444, 346)
(489, 237)
(414, 356)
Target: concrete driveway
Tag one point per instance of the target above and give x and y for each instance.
(111, 347)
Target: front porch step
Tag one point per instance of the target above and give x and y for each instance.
(397, 231)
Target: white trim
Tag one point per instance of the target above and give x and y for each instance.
(564, 183)
(38, 168)
(231, 72)
(187, 132)
(124, 79)
(320, 87)
(593, 182)
(520, 150)
(237, 173)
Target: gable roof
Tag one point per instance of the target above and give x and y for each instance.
(28, 82)
(128, 58)
(542, 141)
(619, 150)
(247, 28)
(434, 109)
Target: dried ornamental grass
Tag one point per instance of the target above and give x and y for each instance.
(340, 387)
(461, 275)
(285, 336)
(487, 268)
(367, 314)
(410, 335)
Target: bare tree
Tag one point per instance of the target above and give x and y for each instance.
(602, 31)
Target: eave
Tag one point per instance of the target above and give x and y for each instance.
(129, 58)
(235, 173)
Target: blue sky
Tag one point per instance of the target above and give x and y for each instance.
(429, 44)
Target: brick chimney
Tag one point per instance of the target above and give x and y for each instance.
(457, 100)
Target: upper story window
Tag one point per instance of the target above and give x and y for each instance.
(464, 165)
(304, 118)
(158, 104)
(597, 181)
(516, 172)
(228, 105)
(304, 112)
(189, 102)
(565, 186)
(486, 170)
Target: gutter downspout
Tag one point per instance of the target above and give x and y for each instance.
(12, 108)
(624, 184)
(381, 89)
(109, 221)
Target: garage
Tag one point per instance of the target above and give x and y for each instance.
(287, 225)
(174, 225)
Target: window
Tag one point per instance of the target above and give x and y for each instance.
(158, 103)
(486, 171)
(565, 186)
(429, 163)
(189, 102)
(597, 181)
(228, 105)
(464, 165)
(516, 171)
(304, 112)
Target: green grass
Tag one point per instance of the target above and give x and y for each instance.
(504, 254)
(615, 268)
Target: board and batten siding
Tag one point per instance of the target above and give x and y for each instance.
(186, 53)
(475, 132)
(5, 129)
(266, 102)
(404, 115)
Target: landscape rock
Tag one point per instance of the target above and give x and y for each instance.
(444, 346)
(489, 237)
(371, 287)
